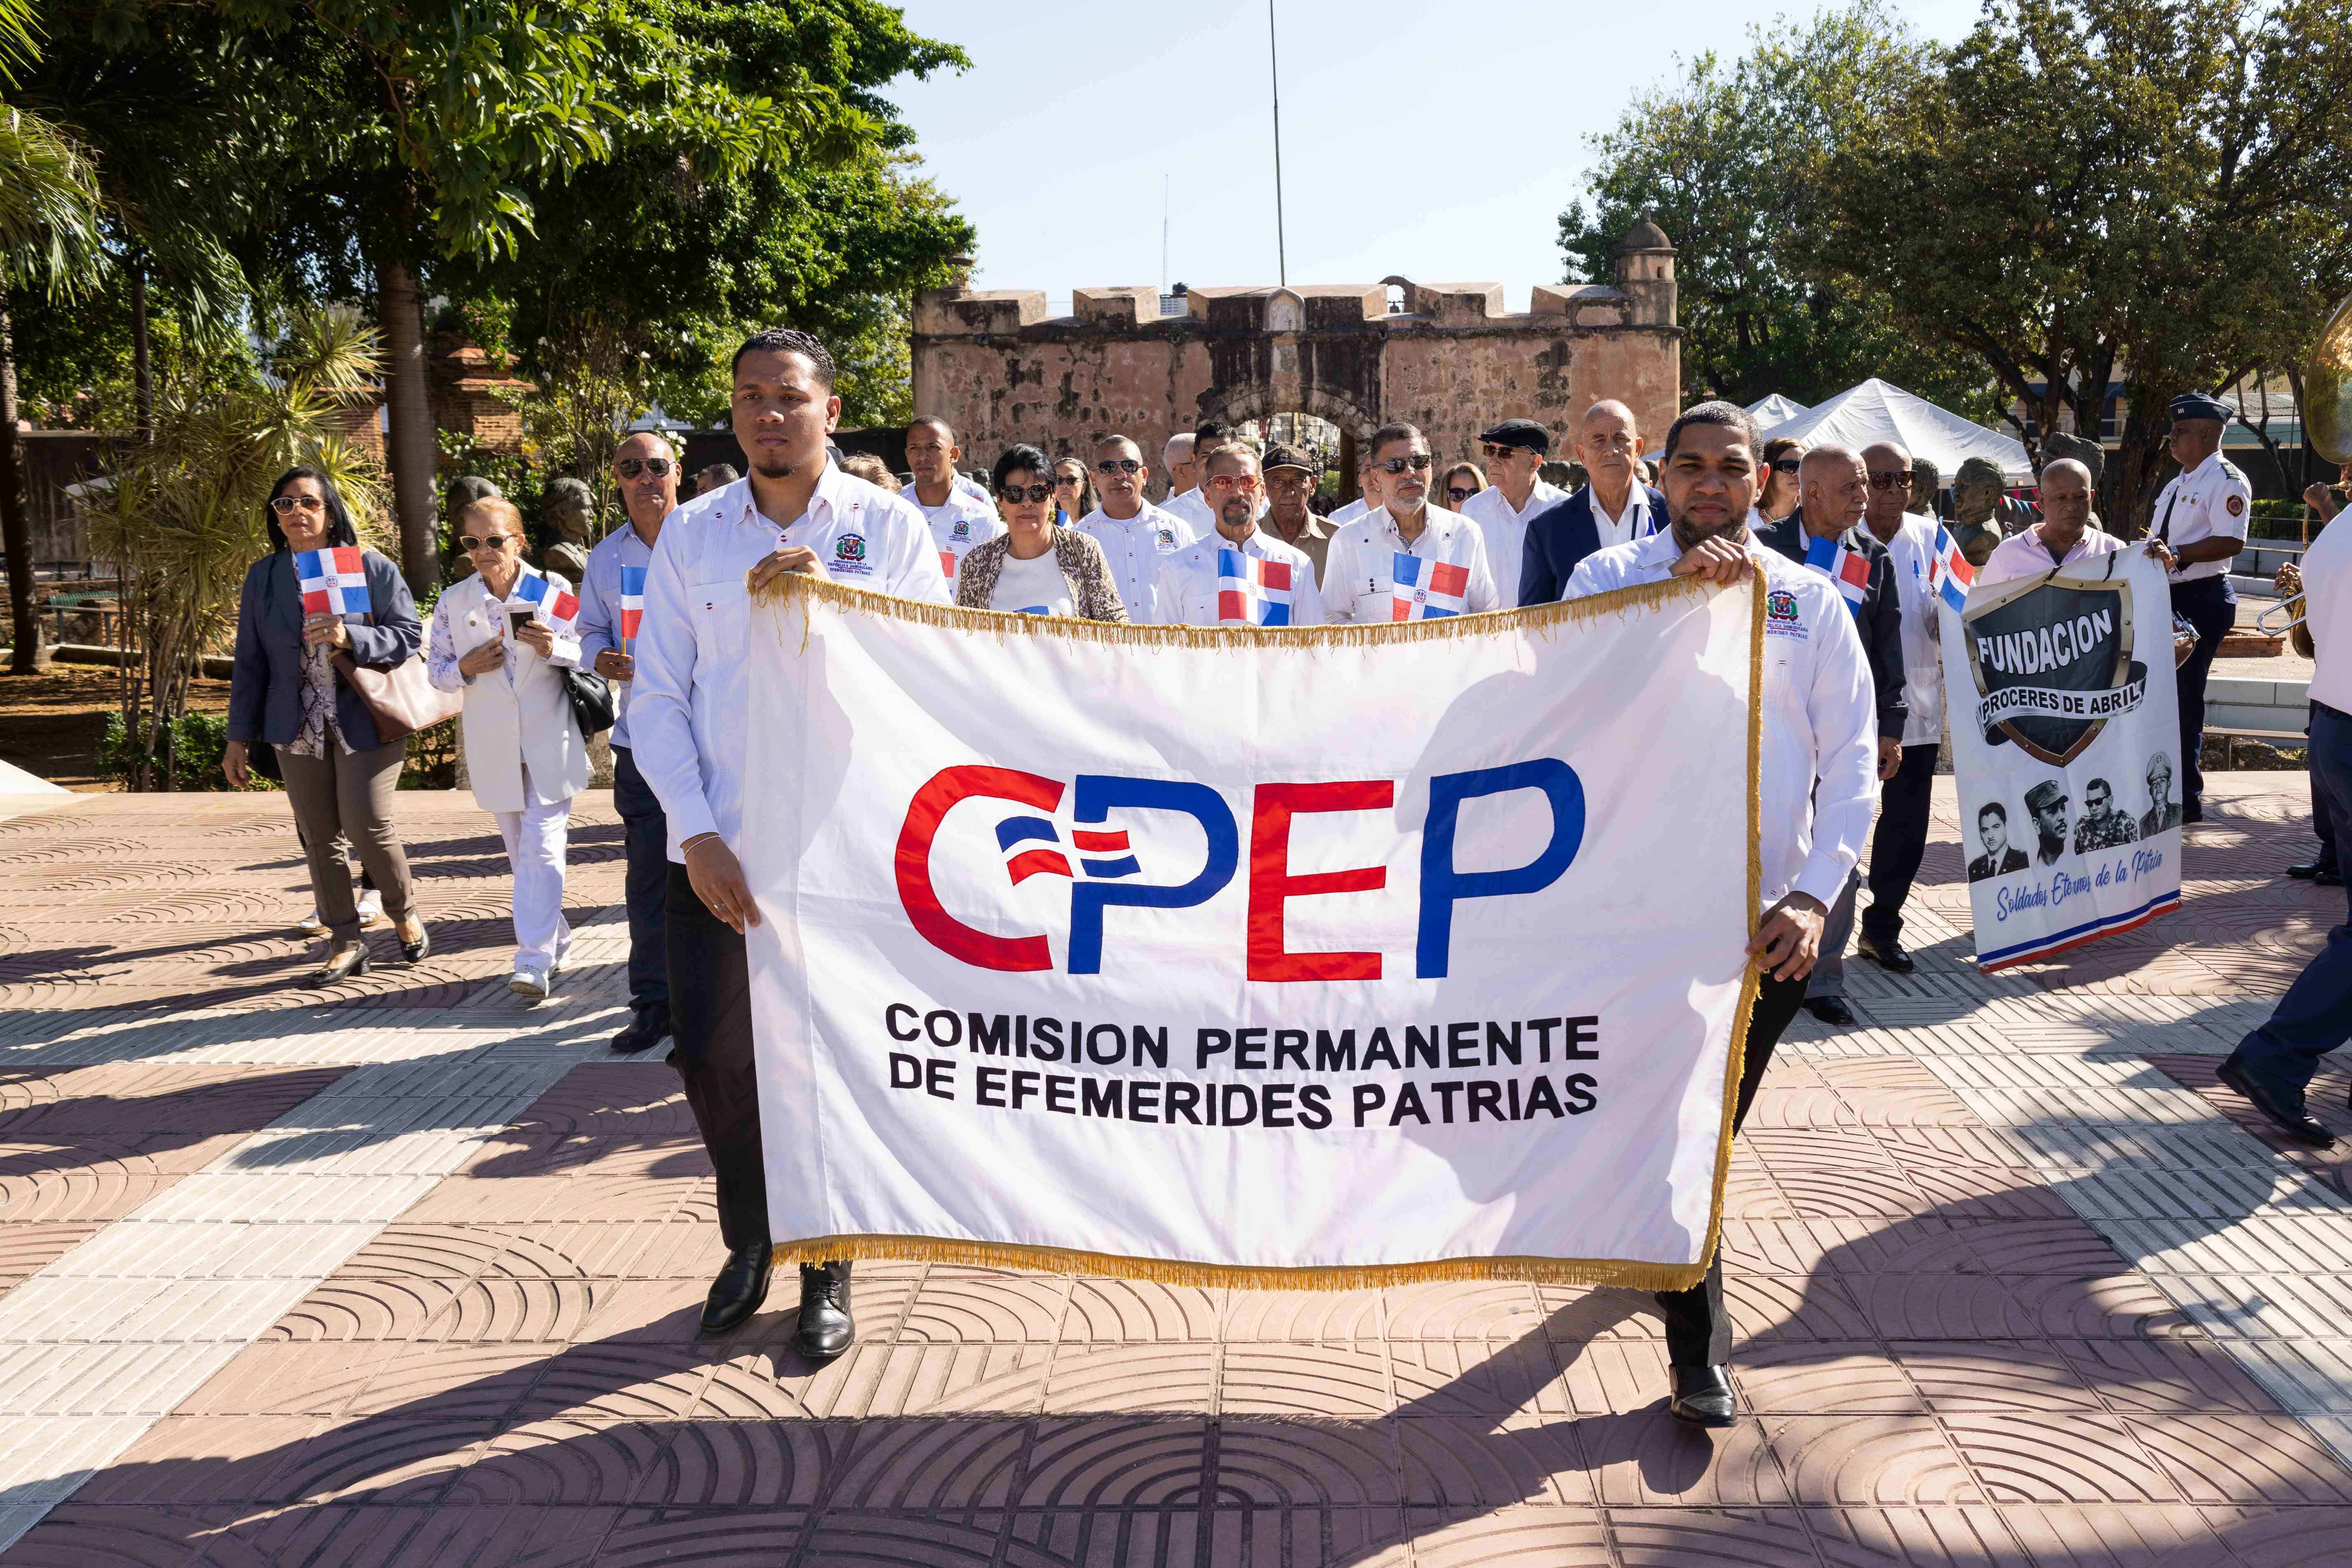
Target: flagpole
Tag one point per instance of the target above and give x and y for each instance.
(1281, 243)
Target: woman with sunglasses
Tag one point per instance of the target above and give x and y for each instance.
(1784, 459)
(316, 594)
(1036, 566)
(1074, 493)
(505, 648)
(1462, 481)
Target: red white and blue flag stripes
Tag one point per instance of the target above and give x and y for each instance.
(1425, 590)
(1949, 573)
(562, 609)
(1846, 568)
(334, 582)
(632, 605)
(1252, 592)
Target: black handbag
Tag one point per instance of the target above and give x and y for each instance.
(592, 700)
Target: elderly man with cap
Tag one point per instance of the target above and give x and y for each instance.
(1291, 476)
(1613, 508)
(1514, 450)
(2200, 523)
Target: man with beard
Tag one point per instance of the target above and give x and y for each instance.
(2047, 801)
(1135, 535)
(2103, 827)
(796, 511)
(1832, 502)
(1196, 584)
(1291, 476)
(1613, 508)
(2000, 856)
(1369, 556)
(1817, 784)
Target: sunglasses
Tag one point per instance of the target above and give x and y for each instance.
(1060, 479)
(1118, 466)
(1233, 481)
(1418, 463)
(1789, 466)
(1890, 479)
(630, 467)
(1025, 492)
(1458, 493)
(1494, 451)
(495, 542)
(286, 506)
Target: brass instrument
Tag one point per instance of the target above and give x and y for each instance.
(2328, 389)
(2289, 582)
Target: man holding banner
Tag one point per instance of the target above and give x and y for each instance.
(612, 605)
(796, 511)
(1821, 726)
(1241, 575)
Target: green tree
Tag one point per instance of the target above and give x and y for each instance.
(2149, 190)
(1734, 158)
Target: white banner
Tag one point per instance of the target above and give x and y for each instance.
(1331, 956)
(2069, 776)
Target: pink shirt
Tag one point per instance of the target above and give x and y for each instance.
(2023, 554)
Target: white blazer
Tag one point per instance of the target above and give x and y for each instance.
(518, 716)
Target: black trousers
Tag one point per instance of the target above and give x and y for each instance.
(710, 1022)
(1699, 1330)
(1900, 842)
(2323, 823)
(2211, 605)
(645, 834)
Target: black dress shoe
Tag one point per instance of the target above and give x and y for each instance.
(1887, 954)
(2307, 872)
(1830, 1010)
(742, 1286)
(2189, 814)
(825, 1326)
(2293, 1121)
(1703, 1397)
(340, 966)
(2331, 878)
(646, 1030)
(414, 952)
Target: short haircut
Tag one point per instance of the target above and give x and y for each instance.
(872, 469)
(1106, 443)
(1992, 808)
(1780, 446)
(1238, 451)
(499, 507)
(2098, 783)
(1015, 459)
(788, 341)
(1622, 410)
(946, 430)
(2081, 467)
(718, 474)
(645, 436)
(1729, 415)
(1177, 449)
(1394, 430)
(1831, 452)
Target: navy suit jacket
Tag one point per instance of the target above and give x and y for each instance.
(1881, 620)
(265, 693)
(1561, 535)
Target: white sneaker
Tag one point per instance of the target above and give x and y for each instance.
(311, 925)
(370, 907)
(528, 981)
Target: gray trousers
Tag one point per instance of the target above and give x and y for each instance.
(1828, 978)
(348, 796)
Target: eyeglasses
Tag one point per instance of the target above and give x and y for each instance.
(286, 506)
(1025, 492)
(1495, 450)
(495, 542)
(1234, 481)
(630, 467)
(1459, 493)
(1890, 479)
(1061, 480)
(1418, 463)
(1789, 466)
(1118, 466)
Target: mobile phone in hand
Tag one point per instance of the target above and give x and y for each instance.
(517, 620)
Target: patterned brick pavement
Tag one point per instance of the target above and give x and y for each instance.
(407, 1274)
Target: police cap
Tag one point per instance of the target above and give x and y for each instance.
(2196, 406)
(2044, 795)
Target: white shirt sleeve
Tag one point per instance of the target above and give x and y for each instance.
(2220, 521)
(1481, 596)
(1167, 605)
(1305, 596)
(661, 703)
(1340, 567)
(1582, 583)
(1843, 707)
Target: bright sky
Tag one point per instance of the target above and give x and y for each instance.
(1410, 146)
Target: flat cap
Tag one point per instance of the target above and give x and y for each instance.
(2196, 406)
(1282, 457)
(1518, 433)
(2044, 795)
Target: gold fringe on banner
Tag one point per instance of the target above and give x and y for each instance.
(1573, 1271)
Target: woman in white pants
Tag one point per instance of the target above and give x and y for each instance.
(501, 639)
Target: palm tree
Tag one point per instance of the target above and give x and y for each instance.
(50, 238)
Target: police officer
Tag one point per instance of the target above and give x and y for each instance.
(2200, 523)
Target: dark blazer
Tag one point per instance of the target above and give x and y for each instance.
(1982, 866)
(265, 692)
(1881, 621)
(1561, 535)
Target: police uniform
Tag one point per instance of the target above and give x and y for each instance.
(1188, 587)
(2212, 500)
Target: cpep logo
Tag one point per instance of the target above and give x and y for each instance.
(1110, 874)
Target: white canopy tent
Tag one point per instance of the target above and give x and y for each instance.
(1879, 411)
(1775, 410)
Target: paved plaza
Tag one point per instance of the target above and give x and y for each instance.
(407, 1273)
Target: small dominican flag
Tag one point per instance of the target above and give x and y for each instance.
(562, 610)
(632, 605)
(1949, 573)
(1252, 592)
(334, 582)
(1847, 569)
(1426, 590)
